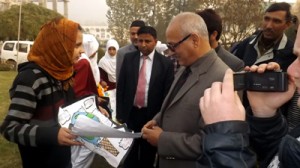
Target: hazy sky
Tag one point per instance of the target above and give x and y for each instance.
(86, 12)
(93, 12)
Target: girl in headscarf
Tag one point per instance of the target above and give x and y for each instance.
(91, 45)
(107, 65)
(41, 86)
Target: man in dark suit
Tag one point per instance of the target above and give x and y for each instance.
(147, 74)
(134, 27)
(213, 22)
(177, 129)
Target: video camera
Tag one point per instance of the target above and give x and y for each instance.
(269, 81)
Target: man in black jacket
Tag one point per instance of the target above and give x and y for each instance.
(225, 139)
(269, 44)
(144, 81)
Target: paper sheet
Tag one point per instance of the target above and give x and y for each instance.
(98, 133)
(85, 126)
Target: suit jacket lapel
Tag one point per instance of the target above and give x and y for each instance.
(177, 75)
(192, 79)
(136, 67)
(198, 68)
(155, 70)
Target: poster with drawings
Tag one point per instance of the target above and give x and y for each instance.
(97, 132)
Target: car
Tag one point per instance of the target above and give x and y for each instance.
(11, 54)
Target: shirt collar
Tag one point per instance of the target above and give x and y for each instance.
(282, 41)
(150, 56)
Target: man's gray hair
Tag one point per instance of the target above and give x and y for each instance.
(190, 23)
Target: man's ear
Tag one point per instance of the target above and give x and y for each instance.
(288, 23)
(195, 39)
(213, 36)
(155, 40)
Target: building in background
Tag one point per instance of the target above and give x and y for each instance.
(102, 33)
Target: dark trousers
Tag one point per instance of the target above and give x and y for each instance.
(142, 154)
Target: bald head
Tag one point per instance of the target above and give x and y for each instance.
(187, 36)
(188, 22)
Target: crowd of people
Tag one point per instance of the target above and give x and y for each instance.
(180, 95)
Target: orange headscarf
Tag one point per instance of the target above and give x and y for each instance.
(54, 47)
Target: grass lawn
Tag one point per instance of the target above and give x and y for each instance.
(9, 153)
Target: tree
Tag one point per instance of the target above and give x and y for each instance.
(296, 8)
(240, 17)
(33, 17)
(120, 15)
(154, 12)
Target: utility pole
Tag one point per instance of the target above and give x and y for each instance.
(66, 10)
(19, 32)
(54, 5)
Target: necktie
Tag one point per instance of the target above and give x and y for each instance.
(141, 87)
(179, 84)
(177, 87)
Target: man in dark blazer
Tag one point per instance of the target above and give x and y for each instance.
(134, 27)
(177, 129)
(213, 22)
(159, 76)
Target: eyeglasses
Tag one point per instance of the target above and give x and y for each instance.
(172, 47)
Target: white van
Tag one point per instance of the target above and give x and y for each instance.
(11, 55)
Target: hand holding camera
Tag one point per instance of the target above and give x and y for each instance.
(262, 78)
(265, 101)
(269, 81)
